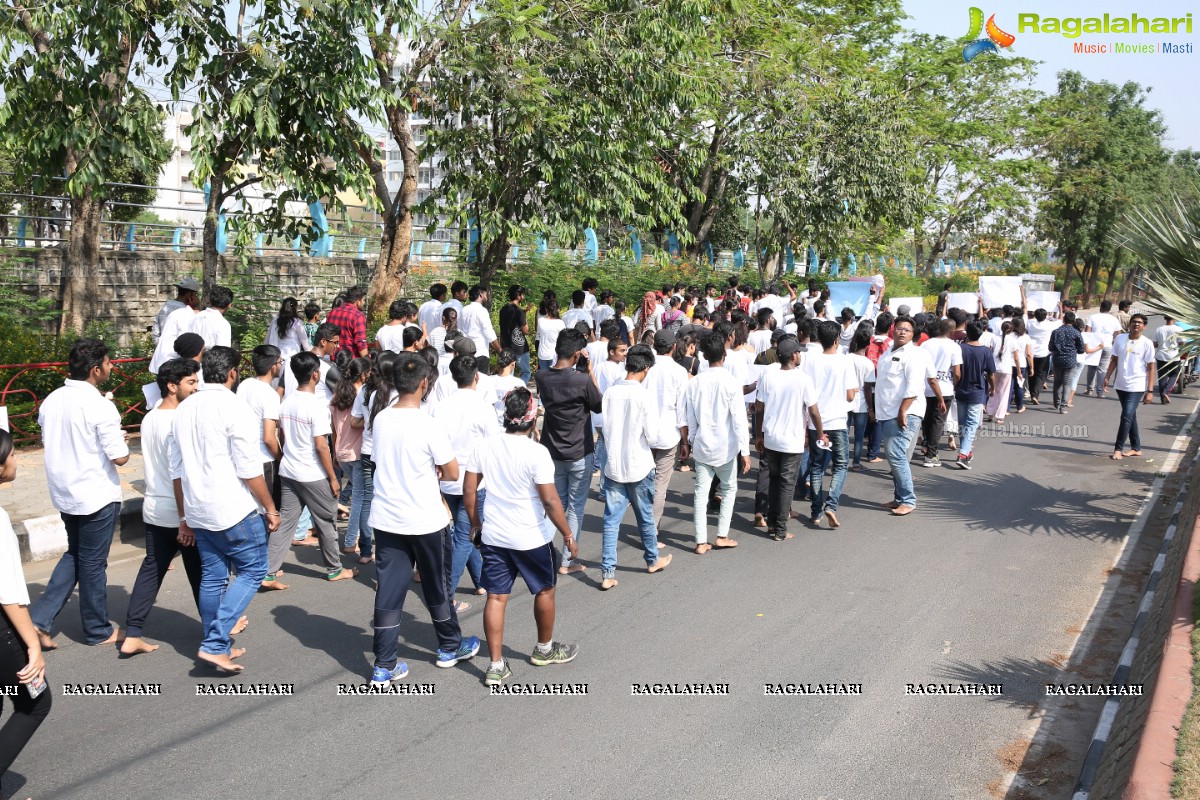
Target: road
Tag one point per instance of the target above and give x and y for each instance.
(995, 573)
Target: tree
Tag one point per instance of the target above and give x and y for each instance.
(73, 111)
(1107, 156)
(549, 118)
(272, 93)
(978, 127)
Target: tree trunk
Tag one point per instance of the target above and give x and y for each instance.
(216, 197)
(1069, 261)
(1091, 280)
(391, 270)
(1114, 270)
(494, 259)
(82, 268)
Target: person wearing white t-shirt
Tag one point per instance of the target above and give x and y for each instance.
(779, 430)
(211, 324)
(577, 313)
(326, 342)
(222, 500)
(760, 338)
(263, 398)
(429, 315)
(1108, 326)
(837, 385)
(505, 380)
(84, 444)
(177, 379)
(286, 329)
(903, 373)
(1040, 328)
(469, 418)
(606, 374)
(306, 474)
(862, 411)
(604, 310)
(718, 437)
(21, 659)
(1134, 367)
(1166, 353)
(516, 537)
(391, 335)
(667, 383)
(947, 364)
(630, 422)
(475, 320)
(412, 453)
(177, 323)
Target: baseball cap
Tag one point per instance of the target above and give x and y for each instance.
(191, 284)
(903, 311)
(664, 338)
(464, 346)
(788, 346)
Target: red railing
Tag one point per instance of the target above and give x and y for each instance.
(128, 376)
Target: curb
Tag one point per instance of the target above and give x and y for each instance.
(1153, 767)
(44, 538)
(1095, 753)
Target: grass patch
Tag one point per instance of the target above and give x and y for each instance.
(1187, 748)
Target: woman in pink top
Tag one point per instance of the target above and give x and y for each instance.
(347, 449)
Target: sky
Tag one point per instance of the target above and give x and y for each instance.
(1173, 77)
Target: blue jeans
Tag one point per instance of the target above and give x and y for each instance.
(896, 446)
(1018, 390)
(523, 367)
(874, 438)
(618, 497)
(464, 555)
(970, 415)
(303, 526)
(1129, 426)
(599, 458)
(222, 601)
(823, 500)
(545, 363)
(366, 536)
(89, 537)
(859, 420)
(573, 479)
(357, 523)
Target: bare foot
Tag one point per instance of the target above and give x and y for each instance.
(307, 541)
(660, 565)
(833, 520)
(113, 637)
(237, 652)
(608, 583)
(275, 584)
(134, 645)
(701, 549)
(349, 550)
(760, 521)
(1132, 454)
(45, 641)
(892, 504)
(481, 592)
(240, 625)
(662, 546)
(723, 542)
(223, 663)
(902, 510)
(345, 575)
(366, 559)
(565, 570)
(1117, 455)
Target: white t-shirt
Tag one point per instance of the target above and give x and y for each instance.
(1004, 349)
(547, 337)
(469, 419)
(760, 340)
(1039, 334)
(264, 402)
(513, 467)
(1022, 347)
(833, 376)
(1134, 357)
(576, 315)
(408, 447)
(902, 373)
(430, 315)
(178, 322)
(1167, 340)
(294, 341)
(786, 395)
(391, 337)
(322, 390)
(476, 321)
(302, 417)
(501, 386)
(211, 325)
(158, 505)
(608, 373)
(946, 355)
(360, 410)
(865, 371)
(1104, 324)
(13, 591)
(602, 314)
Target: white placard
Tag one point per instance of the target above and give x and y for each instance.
(1000, 290)
(967, 301)
(1091, 340)
(152, 394)
(915, 304)
(1046, 300)
(4, 417)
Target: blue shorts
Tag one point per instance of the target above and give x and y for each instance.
(537, 567)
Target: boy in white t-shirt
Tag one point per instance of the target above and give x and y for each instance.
(836, 381)
(1108, 327)
(306, 473)
(517, 535)
(1133, 366)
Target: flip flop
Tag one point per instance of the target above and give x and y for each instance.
(461, 606)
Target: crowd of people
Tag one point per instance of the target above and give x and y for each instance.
(445, 452)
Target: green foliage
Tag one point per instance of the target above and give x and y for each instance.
(1166, 236)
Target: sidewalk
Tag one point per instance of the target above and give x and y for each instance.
(39, 528)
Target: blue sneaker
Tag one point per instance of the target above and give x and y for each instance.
(384, 677)
(468, 648)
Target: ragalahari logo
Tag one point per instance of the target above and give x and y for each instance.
(994, 40)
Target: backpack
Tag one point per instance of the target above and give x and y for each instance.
(877, 348)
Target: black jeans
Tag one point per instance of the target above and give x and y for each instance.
(932, 426)
(783, 470)
(1041, 368)
(161, 546)
(28, 712)
(1061, 390)
(395, 555)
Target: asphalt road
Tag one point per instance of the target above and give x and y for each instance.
(981, 585)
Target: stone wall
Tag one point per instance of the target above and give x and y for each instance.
(133, 286)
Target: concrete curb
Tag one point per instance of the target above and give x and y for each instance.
(45, 538)
(1153, 768)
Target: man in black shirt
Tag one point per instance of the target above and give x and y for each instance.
(514, 329)
(570, 397)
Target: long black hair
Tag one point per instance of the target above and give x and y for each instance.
(343, 396)
(289, 312)
(381, 385)
(6, 445)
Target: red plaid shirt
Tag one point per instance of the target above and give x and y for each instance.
(353, 325)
